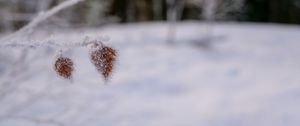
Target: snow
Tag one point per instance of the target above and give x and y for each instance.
(249, 77)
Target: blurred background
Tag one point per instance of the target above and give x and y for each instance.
(92, 13)
(179, 63)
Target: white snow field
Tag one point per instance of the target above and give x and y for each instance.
(250, 76)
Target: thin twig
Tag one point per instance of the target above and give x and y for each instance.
(50, 43)
(42, 16)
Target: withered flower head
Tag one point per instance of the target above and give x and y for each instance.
(103, 59)
(109, 58)
(64, 67)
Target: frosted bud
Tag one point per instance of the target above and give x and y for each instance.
(64, 67)
(103, 58)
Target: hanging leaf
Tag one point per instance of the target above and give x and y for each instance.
(103, 59)
(64, 67)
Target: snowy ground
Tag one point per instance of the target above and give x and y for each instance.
(251, 77)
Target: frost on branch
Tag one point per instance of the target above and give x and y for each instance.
(63, 65)
(103, 58)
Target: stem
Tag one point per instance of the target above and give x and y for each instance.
(50, 44)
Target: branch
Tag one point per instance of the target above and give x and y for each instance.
(53, 44)
(42, 16)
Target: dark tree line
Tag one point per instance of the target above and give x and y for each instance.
(281, 11)
(16, 13)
